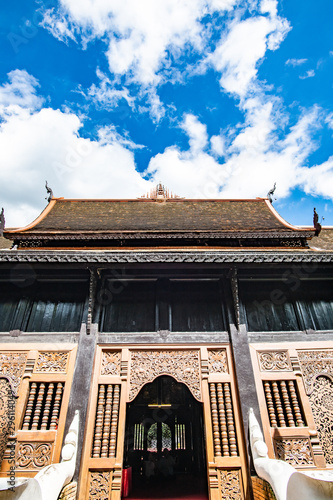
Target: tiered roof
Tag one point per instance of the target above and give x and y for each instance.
(159, 220)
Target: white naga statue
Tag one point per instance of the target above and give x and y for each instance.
(286, 482)
(50, 480)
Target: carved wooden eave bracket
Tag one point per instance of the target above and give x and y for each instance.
(92, 294)
(235, 295)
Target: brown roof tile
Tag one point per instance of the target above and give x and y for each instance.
(324, 241)
(150, 215)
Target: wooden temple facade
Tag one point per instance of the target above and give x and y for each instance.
(163, 321)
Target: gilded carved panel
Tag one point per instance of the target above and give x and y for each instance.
(230, 484)
(217, 361)
(51, 362)
(99, 485)
(183, 365)
(274, 361)
(12, 365)
(111, 362)
(297, 452)
(33, 455)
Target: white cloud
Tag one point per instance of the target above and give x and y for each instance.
(106, 94)
(295, 62)
(318, 180)
(329, 120)
(237, 55)
(309, 74)
(217, 144)
(196, 131)
(50, 147)
(254, 159)
(140, 34)
(19, 92)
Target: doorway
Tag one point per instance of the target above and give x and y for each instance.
(164, 442)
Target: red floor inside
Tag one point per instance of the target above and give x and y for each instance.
(179, 487)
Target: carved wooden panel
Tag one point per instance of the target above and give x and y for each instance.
(183, 365)
(111, 362)
(274, 361)
(12, 366)
(230, 484)
(297, 452)
(33, 455)
(51, 362)
(314, 363)
(321, 400)
(7, 414)
(106, 422)
(223, 421)
(99, 485)
(217, 361)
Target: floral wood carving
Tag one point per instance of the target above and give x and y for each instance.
(124, 257)
(274, 361)
(99, 485)
(313, 364)
(111, 363)
(230, 485)
(183, 365)
(33, 455)
(321, 401)
(217, 361)
(7, 408)
(12, 365)
(54, 362)
(297, 452)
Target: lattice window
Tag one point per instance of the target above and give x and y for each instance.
(283, 404)
(180, 442)
(152, 437)
(106, 421)
(166, 437)
(139, 437)
(43, 406)
(225, 443)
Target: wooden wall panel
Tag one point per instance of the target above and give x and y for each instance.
(40, 389)
(286, 379)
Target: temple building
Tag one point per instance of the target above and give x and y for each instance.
(163, 320)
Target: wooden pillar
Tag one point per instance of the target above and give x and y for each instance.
(81, 387)
(244, 373)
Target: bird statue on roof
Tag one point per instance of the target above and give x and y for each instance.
(271, 192)
(2, 221)
(316, 223)
(49, 191)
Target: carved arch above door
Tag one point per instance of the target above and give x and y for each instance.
(181, 364)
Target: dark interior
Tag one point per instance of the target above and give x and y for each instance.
(165, 421)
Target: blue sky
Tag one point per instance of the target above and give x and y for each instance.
(214, 98)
